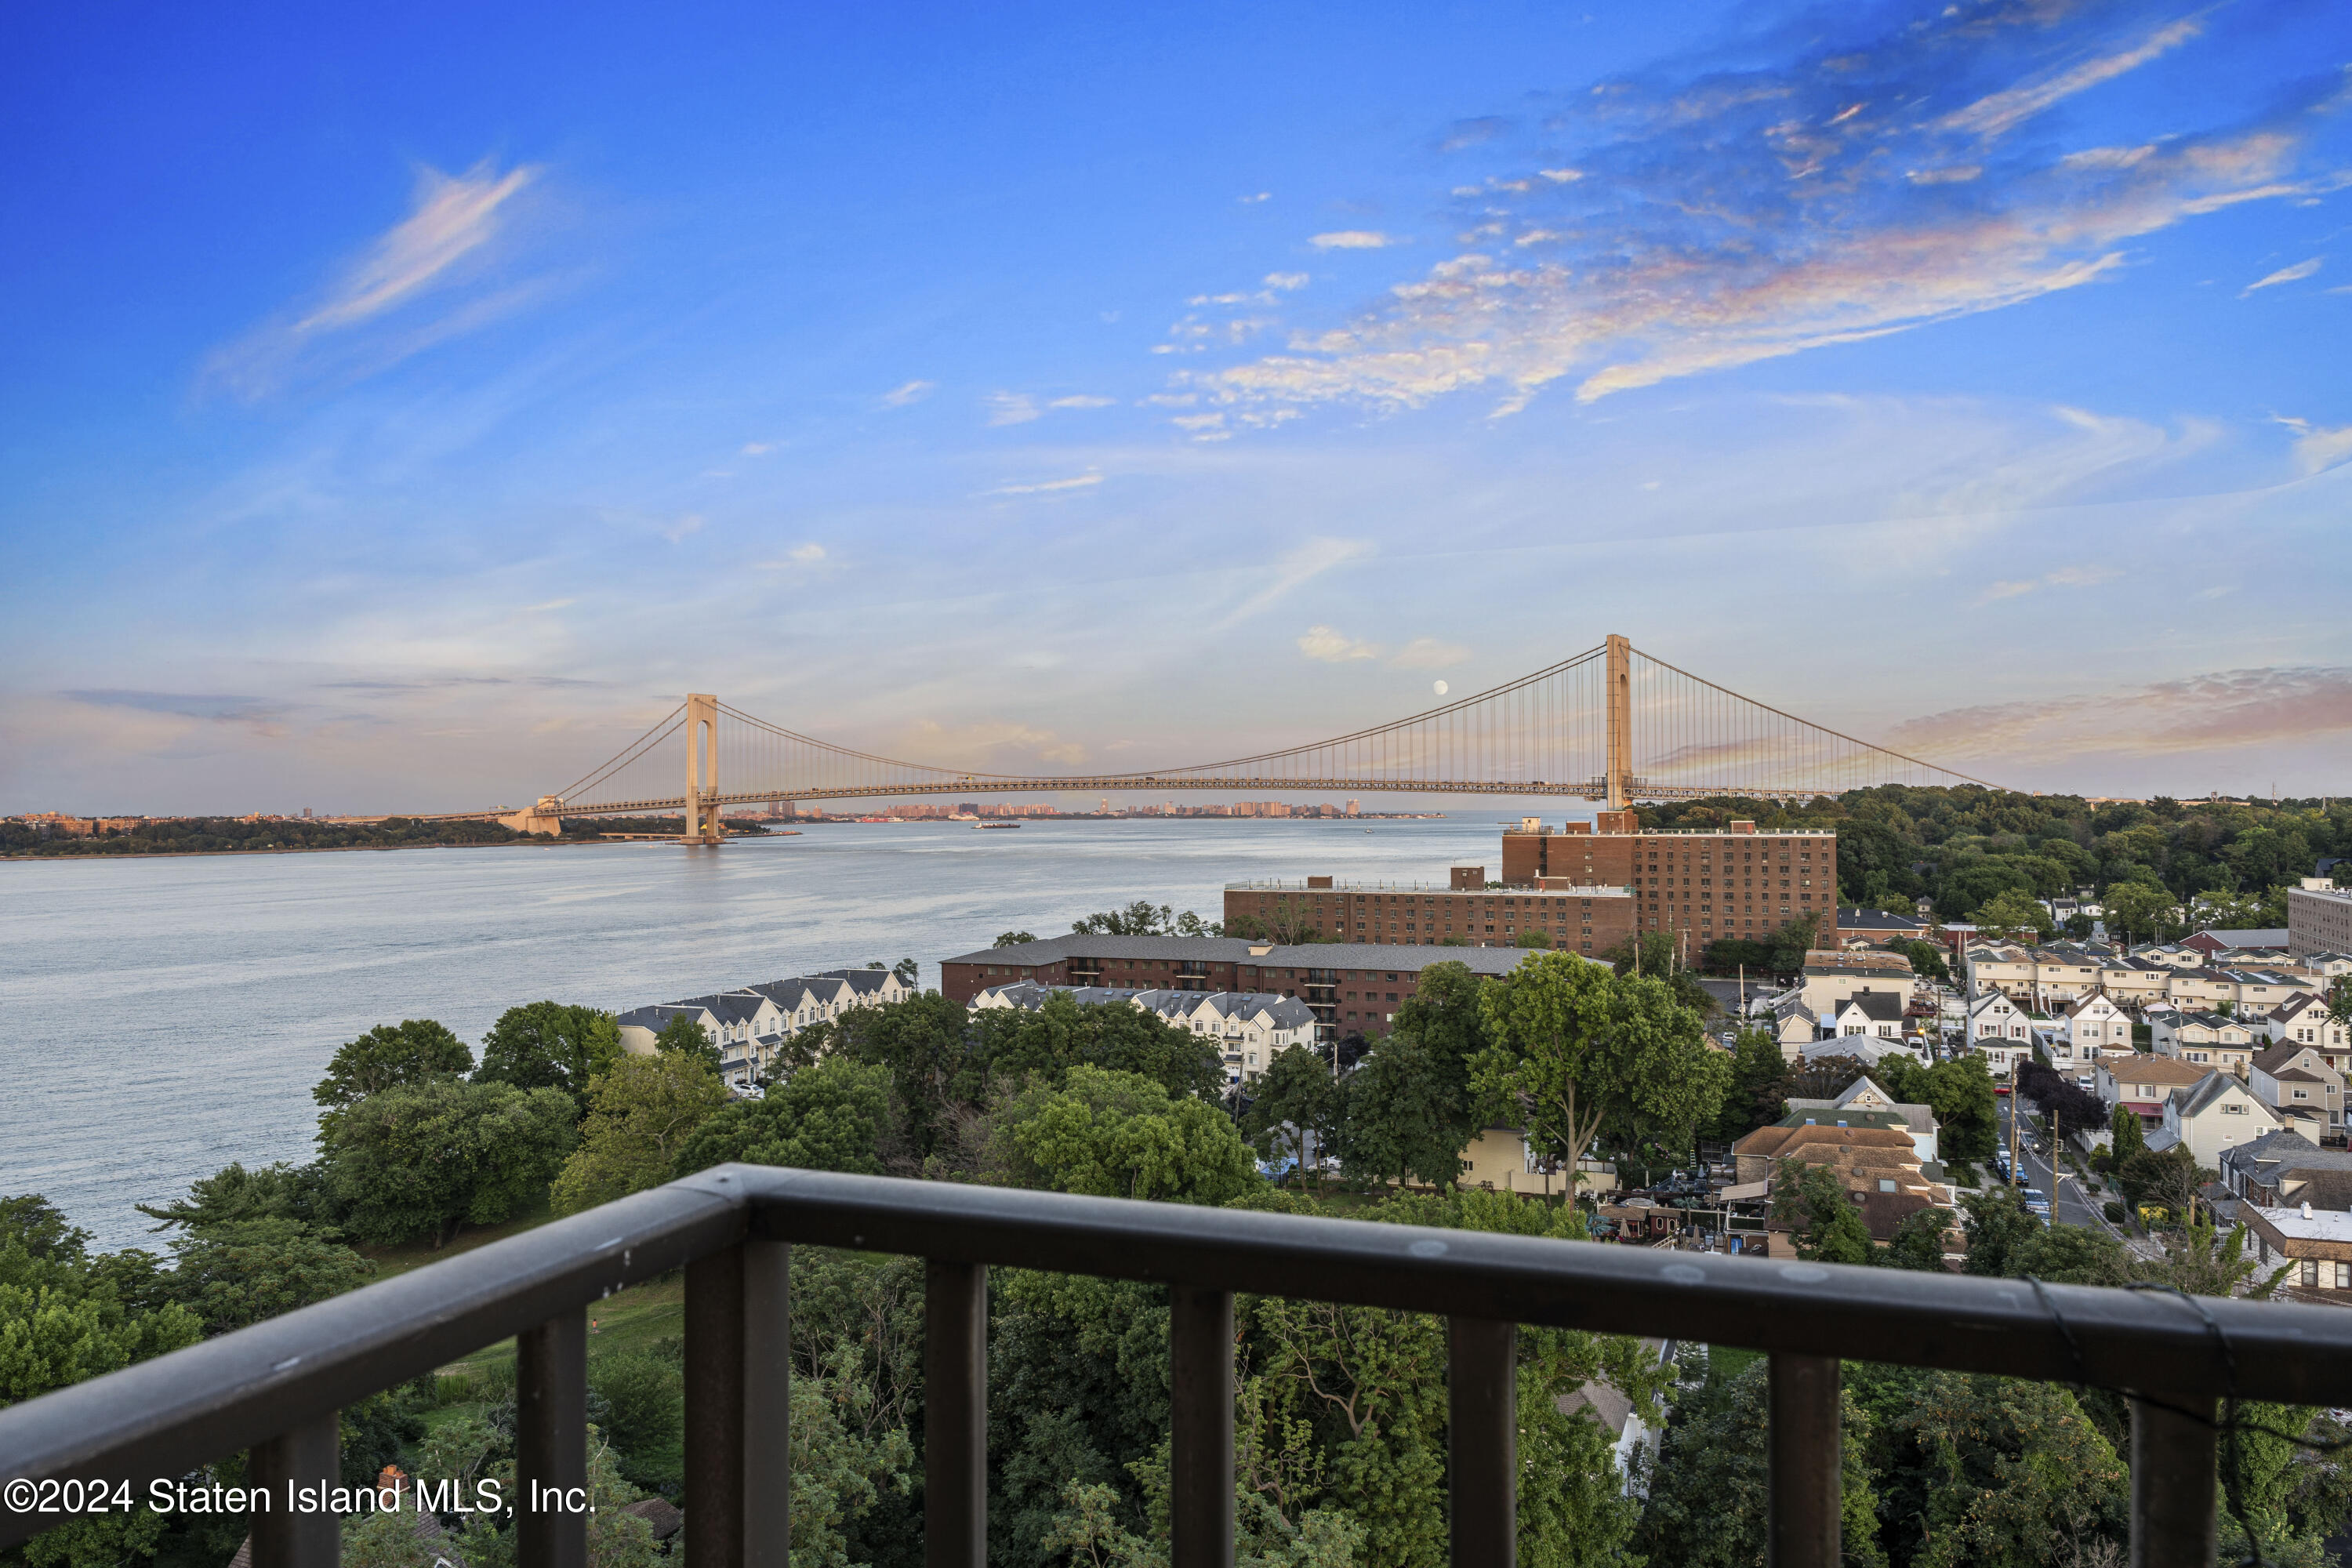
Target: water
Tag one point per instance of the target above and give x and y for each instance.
(160, 1019)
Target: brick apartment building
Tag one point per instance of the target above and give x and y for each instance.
(1586, 889)
(1352, 987)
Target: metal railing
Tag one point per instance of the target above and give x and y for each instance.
(275, 1388)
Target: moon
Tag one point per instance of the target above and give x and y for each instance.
(1439, 687)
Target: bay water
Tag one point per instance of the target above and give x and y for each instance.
(161, 1018)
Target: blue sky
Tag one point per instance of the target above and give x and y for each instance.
(400, 410)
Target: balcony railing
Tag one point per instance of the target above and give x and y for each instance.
(275, 1388)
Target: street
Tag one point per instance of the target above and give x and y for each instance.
(2069, 1203)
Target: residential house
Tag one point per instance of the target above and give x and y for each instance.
(1875, 1013)
(2145, 1082)
(1830, 977)
(2091, 1028)
(2304, 1019)
(2205, 1040)
(2316, 1243)
(1872, 1157)
(2301, 1086)
(1793, 1024)
(1864, 1094)
(1251, 1027)
(1992, 1014)
(2284, 1169)
(1877, 927)
(2273, 938)
(1867, 1049)
(2218, 1113)
(638, 1025)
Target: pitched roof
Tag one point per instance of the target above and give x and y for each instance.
(2142, 1067)
(1878, 1007)
(2213, 1089)
(2274, 1061)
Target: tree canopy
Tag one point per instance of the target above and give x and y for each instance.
(546, 1045)
(420, 1159)
(640, 1114)
(387, 1055)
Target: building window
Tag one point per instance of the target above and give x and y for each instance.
(2310, 1272)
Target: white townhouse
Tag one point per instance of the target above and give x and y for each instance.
(2091, 1028)
(2302, 1019)
(638, 1025)
(1878, 1014)
(750, 1025)
(2301, 1086)
(1992, 1016)
(2217, 1115)
(1252, 1027)
(2204, 1039)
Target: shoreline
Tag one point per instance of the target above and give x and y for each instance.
(537, 843)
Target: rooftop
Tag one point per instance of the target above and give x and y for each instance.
(1240, 950)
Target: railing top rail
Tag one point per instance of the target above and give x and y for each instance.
(165, 1416)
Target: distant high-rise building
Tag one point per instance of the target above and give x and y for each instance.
(1351, 808)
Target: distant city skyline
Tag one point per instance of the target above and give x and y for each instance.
(404, 409)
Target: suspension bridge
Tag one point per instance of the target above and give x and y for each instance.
(1612, 724)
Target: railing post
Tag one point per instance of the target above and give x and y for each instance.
(1201, 1402)
(310, 1454)
(1482, 1391)
(768, 1403)
(1807, 1463)
(715, 1405)
(551, 1443)
(955, 1415)
(2173, 1484)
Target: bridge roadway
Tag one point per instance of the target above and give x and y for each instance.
(1589, 789)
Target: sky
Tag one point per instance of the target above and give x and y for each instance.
(402, 406)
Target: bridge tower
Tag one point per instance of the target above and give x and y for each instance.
(702, 767)
(1619, 779)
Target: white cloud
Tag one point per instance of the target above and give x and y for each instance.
(2318, 448)
(1302, 565)
(2200, 713)
(1283, 282)
(1428, 653)
(452, 226)
(2064, 577)
(1082, 400)
(1252, 200)
(1329, 646)
(1351, 239)
(691, 523)
(1050, 487)
(1010, 407)
(1671, 257)
(756, 448)
(2002, 112)
(800, 557)
(910, 391)
(2293, 274)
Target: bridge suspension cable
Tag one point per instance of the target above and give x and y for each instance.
(1611, 723)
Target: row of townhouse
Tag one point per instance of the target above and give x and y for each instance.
(1250, 1028)
(2212, 1110)
(2051, 979)
(749, 1025)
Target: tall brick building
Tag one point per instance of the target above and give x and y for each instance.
(1586, 886)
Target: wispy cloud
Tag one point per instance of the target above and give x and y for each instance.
(2318, 447)
(1049, 486)
(994, 745)
(1010, 407)
(1996, 114)
(908, 392)
(691, 523)
(1329, 646)
(1851, 190)
(1428, 653)
(757, 448)
(1082, 400)
(798, 558)
(2293, 274)
(257, 715)
(453, 224)
(1301, 566)
(2200, 713)
(1352, 239)
(2064, 577)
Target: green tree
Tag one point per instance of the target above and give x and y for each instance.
(1534, 938)
(1708, 1483)
(233, 1194)
(1141, 918)
(1012, 939)
(1390, 1117)
(235, 1275)
(2014, 914)
(1114, 1134)
(683, 1035)
(387, 1055)
(423, 1158)
(2070, 1255)
(923, 1044)
(2128, 1136)
(1919, 1240)
(1813, 1202)
(640, 1115)
(1290, 1107)
(1998, 1226)
(1578, 1050)
(546, 1045)
(829, 1117)
(909, 973)
(1655, 954)
(1015, 1043)
(1757, 1087)
(2339, 1000)
(2140, 910)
